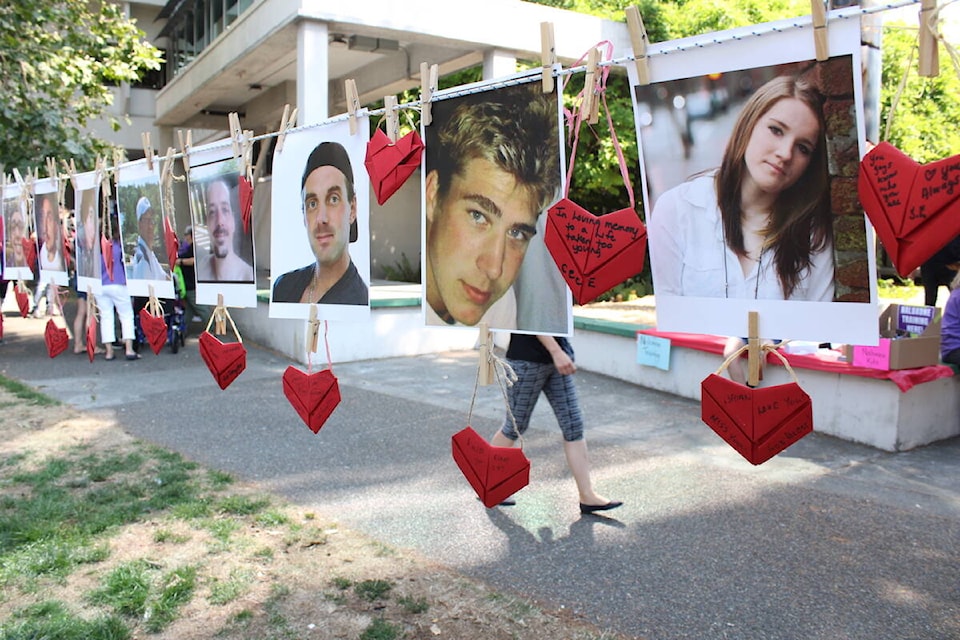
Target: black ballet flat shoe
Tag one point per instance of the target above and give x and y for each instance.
(593, 508)
(506, 502)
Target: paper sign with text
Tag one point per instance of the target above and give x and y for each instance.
(653, 351)
(877, 357)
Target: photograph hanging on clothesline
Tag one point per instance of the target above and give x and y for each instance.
(141, 229)
(49, 228)
(494, 163)
(87, 249)
(223, 246)
(749, 186)
(320, 226)
(16, 232)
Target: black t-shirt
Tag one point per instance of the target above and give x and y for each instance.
(529, 348)
(189, 271)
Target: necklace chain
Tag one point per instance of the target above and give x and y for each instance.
(726, 275)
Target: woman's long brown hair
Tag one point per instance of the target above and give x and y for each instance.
(801, 222)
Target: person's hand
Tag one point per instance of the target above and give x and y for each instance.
(563, 362)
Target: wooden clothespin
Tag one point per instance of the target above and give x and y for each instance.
(287, 121)
(70, 168)
(51, 167)
(220, 317)
(429, 81)
(819, 13)
(353, 102)
(929, 47)
(185, 143)
(147, 149)
(486, 374)
(236, 134)
(117, 159)
(639, 40)
(548, 55)
(313, 330)
(392, 116)
(754, 352)
(246, 154)
(166, 167)
(590, 107)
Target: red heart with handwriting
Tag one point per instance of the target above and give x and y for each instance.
(154, 329)
(388, 164)
(106, 250)
(594, 253)
(23, 301)
(171, 242)
(56, 338)
(314, 396)
(495, 473)
(92, 337)
(246, 202)
(758, 423)
(911, 206)
(225, 361)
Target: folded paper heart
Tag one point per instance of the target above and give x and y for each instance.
(56, 338)
(23, 301)
(246, 202)
(154, 329)
(29, 252)
(92, 338)
(314, 396)
(495, 473)
(389, 165)
(106, 250)
(170, 240)
(594, 253)
(913, 207)
(758, 423)
(225, 361)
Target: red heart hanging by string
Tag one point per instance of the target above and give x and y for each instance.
(23, 301)
(225, 361)
(154, 329)
(106, 249)
(911, 206)
(313, 396)
(594, 253)
(56, 338)
(758, 423)
(92, 337)
(246, 202)
(29, 252)
(389, 165)
(170, 240)
(495, 473)
(67, 251)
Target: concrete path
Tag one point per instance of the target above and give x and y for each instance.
(829, 540)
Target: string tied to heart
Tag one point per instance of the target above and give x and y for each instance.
(764, 350)
(506, 377)
(218, 319)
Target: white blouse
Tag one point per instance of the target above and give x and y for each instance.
(688, 255)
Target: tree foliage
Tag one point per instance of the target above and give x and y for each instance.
(58, 59)
(923, 122)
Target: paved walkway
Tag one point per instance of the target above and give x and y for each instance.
(829, 540)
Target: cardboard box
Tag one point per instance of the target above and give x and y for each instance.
(902, 346)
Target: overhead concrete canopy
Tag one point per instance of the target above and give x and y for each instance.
(251, 68)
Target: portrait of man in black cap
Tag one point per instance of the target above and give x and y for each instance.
(329, 207)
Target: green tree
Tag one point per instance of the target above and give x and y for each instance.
(922, 124)
(57, 60)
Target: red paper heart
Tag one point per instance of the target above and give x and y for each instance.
(92, 337)
(106, 249)
(758, 423)
(911, 206)
(594, 253)
(154, 329)
(314, 396)
(29, 251)
(56, 338)
(170, 240)
(225, 361)
(246, 202)
(23, 301)
(495, 473)
(389, 165)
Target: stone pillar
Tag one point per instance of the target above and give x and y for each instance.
(312, 72)
(498, 63)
